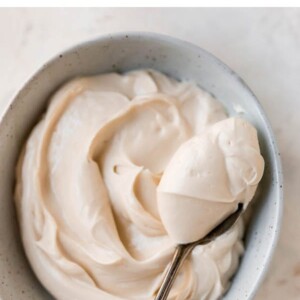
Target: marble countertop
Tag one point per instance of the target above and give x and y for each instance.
(262, 45)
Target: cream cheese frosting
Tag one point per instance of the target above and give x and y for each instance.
(114, 163)
(207, 177)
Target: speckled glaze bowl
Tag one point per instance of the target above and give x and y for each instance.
(123, 52)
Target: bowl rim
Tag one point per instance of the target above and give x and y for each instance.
(278, 175)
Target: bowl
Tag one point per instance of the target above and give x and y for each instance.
(122, 52)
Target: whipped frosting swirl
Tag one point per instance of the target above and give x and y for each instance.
(94, 223)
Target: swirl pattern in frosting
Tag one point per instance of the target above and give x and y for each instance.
(97, 187)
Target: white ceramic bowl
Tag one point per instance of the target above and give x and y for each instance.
(123, 52)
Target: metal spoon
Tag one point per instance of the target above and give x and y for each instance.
(183, 250)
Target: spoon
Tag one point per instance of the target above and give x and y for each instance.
(183, 250)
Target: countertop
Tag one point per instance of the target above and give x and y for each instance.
(262, 45)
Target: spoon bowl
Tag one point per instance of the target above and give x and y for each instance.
(183, 250)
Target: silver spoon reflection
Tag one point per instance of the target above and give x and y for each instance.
(183, 250)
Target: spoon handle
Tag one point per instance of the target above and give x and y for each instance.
(181, 253)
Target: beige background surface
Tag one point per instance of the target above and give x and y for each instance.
(262, 45)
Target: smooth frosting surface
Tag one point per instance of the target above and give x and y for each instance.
(207, 177)
(114, 162)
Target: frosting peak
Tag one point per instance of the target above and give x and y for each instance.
(207, 177)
